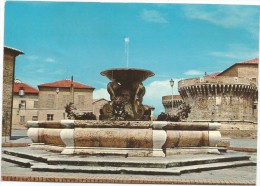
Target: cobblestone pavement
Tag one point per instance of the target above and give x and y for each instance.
(246, 143)
(231, 176)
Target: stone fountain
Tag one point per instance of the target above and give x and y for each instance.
(122, 129)
(130, 142)
(126, 94)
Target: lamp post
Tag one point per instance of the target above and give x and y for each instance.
(57, 90)
(21, 94)
(72, 89)
(172, 83)
(152, 110)
(21, 91)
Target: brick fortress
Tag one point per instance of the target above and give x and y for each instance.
(229, 96)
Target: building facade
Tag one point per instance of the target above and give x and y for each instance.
(97, 105)
(230, 95)
(54, 96)
(246, 69)
(10, 55)
(25, 104)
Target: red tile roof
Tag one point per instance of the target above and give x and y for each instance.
(252, 61)
(212, 75)
(27, 88)
(66, 84)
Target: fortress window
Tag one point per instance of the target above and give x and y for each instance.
(34, 118)
(50, 117)
(22, 119)
(35, 104)
(22, 105)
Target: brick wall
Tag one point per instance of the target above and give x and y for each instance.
(8, 77)
(97, 105)
(8, 82)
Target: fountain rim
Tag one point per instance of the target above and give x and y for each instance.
(128, 69)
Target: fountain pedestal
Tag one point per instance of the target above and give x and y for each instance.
(126, 94)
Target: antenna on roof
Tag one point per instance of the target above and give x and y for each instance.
(72, 90)
(127, 40)
(67, 72)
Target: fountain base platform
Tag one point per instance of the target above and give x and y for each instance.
(43, 161)
(124, 138)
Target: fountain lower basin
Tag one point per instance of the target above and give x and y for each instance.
(129, 138)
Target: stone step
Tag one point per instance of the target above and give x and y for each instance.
(27, 155)
(16, 160)
(110, 154)
(102, 170)
(138, 170)
(214, 166)
(144, 162)
(106, 162)
(208, 160)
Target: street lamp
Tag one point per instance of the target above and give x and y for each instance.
(21, 91)
(57, 90)
(172, 83)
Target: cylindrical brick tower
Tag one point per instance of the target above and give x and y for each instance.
(167, 103)
(220, 98)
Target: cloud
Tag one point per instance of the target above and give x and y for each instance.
(236, 52)
(245, 17)
(50, 60)
(40, 70)
(35, 57)
(193, 72)
(32, 57)
(223, 54)
(101, 93)
(153, 16)
(50, 71)
(57, 72)
(154, 92)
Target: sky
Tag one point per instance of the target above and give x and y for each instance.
(177, 41)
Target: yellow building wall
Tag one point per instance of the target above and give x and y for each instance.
(54, 103)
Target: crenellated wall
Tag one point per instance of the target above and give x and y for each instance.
(167, 103)
(220, 98)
